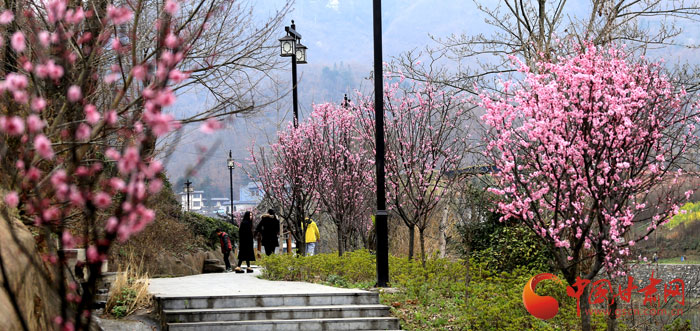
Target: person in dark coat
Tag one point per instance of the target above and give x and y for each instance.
(269, 228)
(245, 243)
(226, 247)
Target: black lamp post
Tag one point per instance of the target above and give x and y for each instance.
(382, 215)
(290, 46)
(346, 101)
(231, 165)
(188, 189)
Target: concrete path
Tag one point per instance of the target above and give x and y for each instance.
(227, 284)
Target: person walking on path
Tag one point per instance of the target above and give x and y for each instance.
(245, 243)
(269, 228)
(226, 247)
(312, 235)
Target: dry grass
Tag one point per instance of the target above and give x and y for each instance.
(129, 291)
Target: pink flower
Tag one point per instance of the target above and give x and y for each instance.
(6, 17)
(44, 38)
(82, 133)
(12, 199)
(43, 146)
(119, 15)
(129, 160)
(117, 183)
(154, 186)
(14, 126)
(139, 72)
(111, 225)
(210, 126)
(56, 10)
(17, 42)
(165, 98)
(113, 154)
(38, 104)
(171, 7)
(15, 81)
(74, 93)
(92, 255)
(177, 76)
(102, 200)
(111, 117)
(34, 123)
(67, 240)
(171, 41)
(91, 114)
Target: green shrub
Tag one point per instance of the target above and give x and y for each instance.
(206, 227)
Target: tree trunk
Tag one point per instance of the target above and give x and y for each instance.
(411, 239)
(442, 241)
(341, 242)
(585, 313)
(612, 316)
(468, 276)
(421, 232)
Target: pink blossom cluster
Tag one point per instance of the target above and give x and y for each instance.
(82, 152)
(581, 143)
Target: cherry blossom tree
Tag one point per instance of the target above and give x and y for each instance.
(80, 111)
(425, 139)
(343, 168)
(582, 146)
(286, 175)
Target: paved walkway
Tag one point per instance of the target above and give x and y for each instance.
(231, 283)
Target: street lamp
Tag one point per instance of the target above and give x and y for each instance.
(231, 165)
(382, 215)
(188, 189)
(290, 46)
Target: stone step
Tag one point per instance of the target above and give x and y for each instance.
(267, 300)
(275, 313)
(356, 323)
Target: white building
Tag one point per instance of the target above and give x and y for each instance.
(250, 196)
(196, 200)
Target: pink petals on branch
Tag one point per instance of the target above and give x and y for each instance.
(74, 93)
(17, 42)
(171, 7)
(43, 146)
(12, 199)
(6, 17)
(210, 126)
(119, 15)
(91, 114)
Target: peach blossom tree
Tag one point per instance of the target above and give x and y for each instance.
(582, 146)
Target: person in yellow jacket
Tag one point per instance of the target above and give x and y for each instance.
(312, 235)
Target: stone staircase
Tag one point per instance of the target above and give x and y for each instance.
(276, 312)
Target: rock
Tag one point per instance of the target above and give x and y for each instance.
(37, 300)
(211, 261)
(213, 268)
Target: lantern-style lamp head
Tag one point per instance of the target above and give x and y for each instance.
(301, 53)
(231, 163)
(287, 44)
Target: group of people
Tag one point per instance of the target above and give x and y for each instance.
(268, 229)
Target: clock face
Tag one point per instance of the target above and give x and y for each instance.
(287, 47)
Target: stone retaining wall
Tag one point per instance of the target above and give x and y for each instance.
(689, 273)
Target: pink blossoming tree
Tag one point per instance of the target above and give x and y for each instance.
(345, 171)
(425, 140)
(286, 175)
(81, 108)
(580, 146)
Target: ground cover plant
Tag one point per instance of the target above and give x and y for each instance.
(435, 297)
